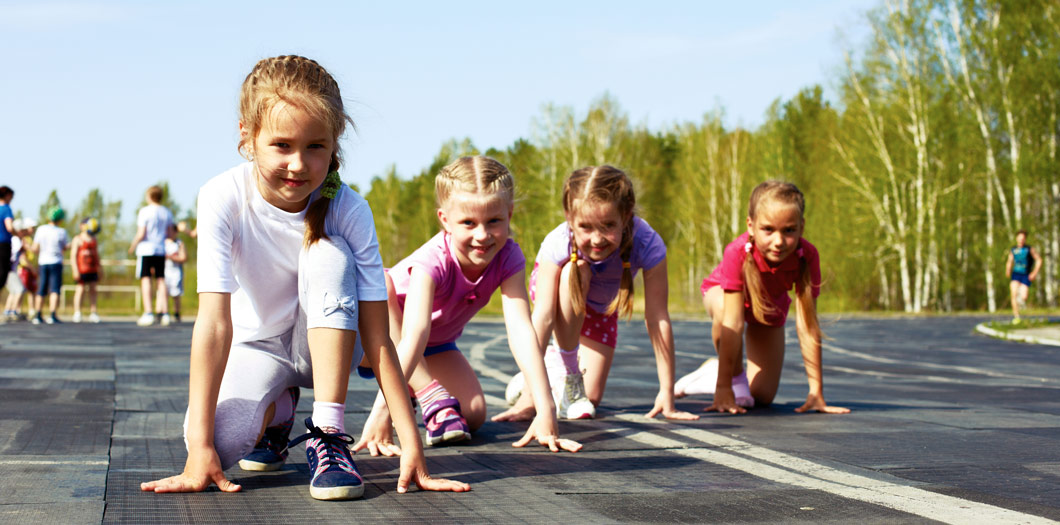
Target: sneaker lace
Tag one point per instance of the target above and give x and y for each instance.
(336, 447)
(575, 387)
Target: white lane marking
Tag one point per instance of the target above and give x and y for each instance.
(783, 468)
(922, 364)
(18, 462)
(478, 359)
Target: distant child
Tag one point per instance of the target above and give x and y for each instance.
(27, 270)
(291, 294)
(434, 292)
(176, 255)
(583, 280)
(1021, 273)
(153, 223)
(86, 268)
(747, 297)
(7, 231)
(49, 244)
(14, 286)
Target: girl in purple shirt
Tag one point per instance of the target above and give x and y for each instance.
(435, 291)
(747, 295)
(582, 279)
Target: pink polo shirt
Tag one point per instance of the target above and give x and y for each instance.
(778, 280)
(456, 299)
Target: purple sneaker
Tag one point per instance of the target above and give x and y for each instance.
(444, 422)
(271, 451)
(334, 476)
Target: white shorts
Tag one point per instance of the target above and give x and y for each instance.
(14, 284)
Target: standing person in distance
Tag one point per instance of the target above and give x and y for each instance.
(153, 223)
(176, 255)
(49, 244)
(1020, 272)
(87, 271)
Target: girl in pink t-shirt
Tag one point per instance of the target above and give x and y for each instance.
(435, 291)
(750, 289)
(582, 279)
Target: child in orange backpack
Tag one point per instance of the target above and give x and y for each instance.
(86, 268)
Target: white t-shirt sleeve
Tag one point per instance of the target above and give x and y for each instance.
(357, 226)
(218, 210)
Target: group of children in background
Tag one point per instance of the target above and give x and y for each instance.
(293, 294)
(33, 262)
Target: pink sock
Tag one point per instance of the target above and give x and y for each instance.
(570, 360)
(284, 409)
(329, 415)
(431, 393)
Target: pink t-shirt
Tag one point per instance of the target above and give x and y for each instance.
(648, 251)
(456, 299)
(778, 280)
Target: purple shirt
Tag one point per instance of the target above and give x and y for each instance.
(648, 251)
(456, 299)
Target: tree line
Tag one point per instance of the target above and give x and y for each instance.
(941, 144)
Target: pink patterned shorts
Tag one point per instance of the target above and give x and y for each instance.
(598, 327)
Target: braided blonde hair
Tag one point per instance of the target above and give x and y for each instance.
(305, 84)
(479, 175)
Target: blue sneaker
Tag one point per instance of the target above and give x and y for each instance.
(271, 451)
(334, 476)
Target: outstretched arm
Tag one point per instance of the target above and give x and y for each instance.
(528, 355)
(810, 343)
(657, 320)
(412, 339)
(729, 352)
(211, 341)
(375, 338)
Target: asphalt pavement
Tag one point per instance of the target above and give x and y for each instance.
(947, 425)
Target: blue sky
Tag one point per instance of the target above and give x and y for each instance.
(120, 95)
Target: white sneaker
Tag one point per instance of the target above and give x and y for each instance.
(77, 317)
(146, 319)
(165, 320)
(701, 381)
(568, 390)
(514, 390)
(93, 318)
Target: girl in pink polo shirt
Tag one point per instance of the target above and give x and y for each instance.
(747, 294)
(435, 291)
(583, 280)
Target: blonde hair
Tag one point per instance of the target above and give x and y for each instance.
(305, 84)
(479, 175)
(772, 193)
(603, 185)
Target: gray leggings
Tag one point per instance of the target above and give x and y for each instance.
(258, 372)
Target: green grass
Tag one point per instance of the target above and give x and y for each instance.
(1026, 322)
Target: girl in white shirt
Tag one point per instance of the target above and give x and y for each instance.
(291, 294)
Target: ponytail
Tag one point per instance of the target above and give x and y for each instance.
(577, 287)
(623, 301)
(755, 290)
(317, 213)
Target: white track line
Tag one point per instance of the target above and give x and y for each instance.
(922, 364)
(790, 470)
(787, 469)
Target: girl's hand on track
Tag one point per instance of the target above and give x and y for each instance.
(725, 402)
(815, 402)
(516, 413)
(547, 434)
(200, 471)
(414, 468)
(378, 436)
